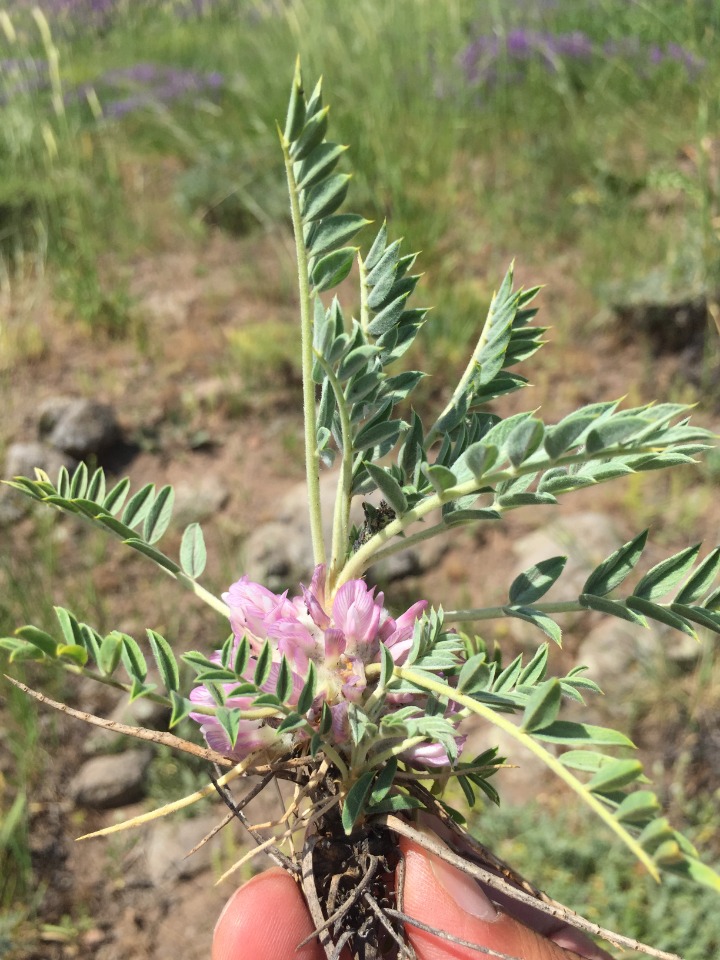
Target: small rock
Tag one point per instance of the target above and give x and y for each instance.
(195, 502)
(13, 506)
(111, 781)
(169, 844)
(22, 458)
(79, 427)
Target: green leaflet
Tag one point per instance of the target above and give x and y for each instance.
(535, 582)
(325, 197)
(613, 570)
(79, 482)
(96, 487)
(324, 235)
(332, 269)
(193, 555)
(655, 612)
(38, 638)
(133, 658)
(110, 652)
(320, 162)
(543, 706)
(115, 499)
(570, 732)
(165, 660)
(388, 486)
(701, 580)
(612, 776)
(159, 515)
(139, 506)
(663, 577)
(296, 108)
(354, 804)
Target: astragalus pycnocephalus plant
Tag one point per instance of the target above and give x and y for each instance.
(362, 711)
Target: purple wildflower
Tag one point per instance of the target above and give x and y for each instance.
(340, 638)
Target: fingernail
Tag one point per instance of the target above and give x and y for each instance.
(463, 890)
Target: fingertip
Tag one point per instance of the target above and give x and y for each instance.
(265, 920)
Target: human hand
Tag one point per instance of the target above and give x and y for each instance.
(267, 918)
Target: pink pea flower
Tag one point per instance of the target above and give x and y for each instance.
(341, 639)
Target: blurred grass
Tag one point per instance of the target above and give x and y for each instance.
(543, 152)
(562, 851)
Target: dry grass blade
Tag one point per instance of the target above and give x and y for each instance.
(313, 902)
(237, 771)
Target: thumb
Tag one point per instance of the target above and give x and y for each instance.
(442, 897)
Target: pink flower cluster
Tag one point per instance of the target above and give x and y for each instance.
(341, 641)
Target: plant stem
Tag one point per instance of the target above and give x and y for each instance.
(341, 519)
(312, 459)
(495, 613)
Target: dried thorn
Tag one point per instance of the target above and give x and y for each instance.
(444, 935)
(406, 949)
(277, 855)
(140, 733)
(313, 902)
(208, 836)
(261, 848)
(347, 905)
(345, 938)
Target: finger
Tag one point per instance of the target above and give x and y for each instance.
(265, 920)
(443, 897)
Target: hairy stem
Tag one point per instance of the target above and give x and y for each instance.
(312, 459)
(341, 519)
(495, 613)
